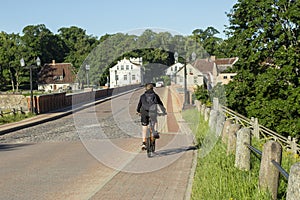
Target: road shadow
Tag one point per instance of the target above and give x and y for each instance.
(11, 147)
(173, 151)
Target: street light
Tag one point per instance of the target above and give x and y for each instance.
(185, 100)
(116, 78)
(38, 63)
(87, 68)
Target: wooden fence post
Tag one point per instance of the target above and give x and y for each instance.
(231, 144)
(268, 173)
(293, 189)
(242, 155)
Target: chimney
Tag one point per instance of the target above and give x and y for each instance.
(53, 62)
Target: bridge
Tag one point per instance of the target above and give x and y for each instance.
(94, 153)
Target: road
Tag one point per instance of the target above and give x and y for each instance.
(95, 154)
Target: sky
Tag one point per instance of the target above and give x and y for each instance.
(99, 17)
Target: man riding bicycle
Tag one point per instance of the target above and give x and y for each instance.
(147, 108)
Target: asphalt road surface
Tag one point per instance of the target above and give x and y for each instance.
(95, 154)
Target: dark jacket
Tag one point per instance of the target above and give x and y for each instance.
(143, 101)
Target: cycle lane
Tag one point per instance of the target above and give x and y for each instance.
(165, 176)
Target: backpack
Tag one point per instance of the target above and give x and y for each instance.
(150, 102)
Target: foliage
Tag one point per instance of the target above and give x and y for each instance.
(14, 118)
(265, 36)
(201, 94)
(217, 178)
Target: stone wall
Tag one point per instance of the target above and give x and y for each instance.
(13, 101)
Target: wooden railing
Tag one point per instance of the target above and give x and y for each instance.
(259, 131)
(236, 132)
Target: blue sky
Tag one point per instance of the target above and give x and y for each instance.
(99, 17)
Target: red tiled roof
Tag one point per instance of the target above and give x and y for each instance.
(203, 65)
(52, 73)
(226, 61)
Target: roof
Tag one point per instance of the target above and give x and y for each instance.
(57, 73)
(224, 63)
(203, 65)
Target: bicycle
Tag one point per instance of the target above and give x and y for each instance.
(150, 139)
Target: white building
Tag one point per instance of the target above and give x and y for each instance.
(126, 72)
(172, 70)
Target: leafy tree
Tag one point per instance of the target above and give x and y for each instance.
(201, 93)
(79, 44)
(10, 50)
(208, 40)
(265, 36)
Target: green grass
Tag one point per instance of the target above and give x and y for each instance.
(216, 177)
(14, 118)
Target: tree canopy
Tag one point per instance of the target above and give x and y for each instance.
(265, 36)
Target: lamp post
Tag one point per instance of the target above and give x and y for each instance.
(116, 78)
(38, 63)
(87, 68)
(107, 80)
(185, 101)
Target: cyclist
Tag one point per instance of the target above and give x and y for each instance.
(147, 108)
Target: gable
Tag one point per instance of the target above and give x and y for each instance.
(57, 73)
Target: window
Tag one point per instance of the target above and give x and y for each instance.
(224, 77)
(131, 66)
(125, 77)
(122, 67)
(127, 67)
(133, 77)
(231, 77)
(117, 67)
(175, 68)
(195, 79)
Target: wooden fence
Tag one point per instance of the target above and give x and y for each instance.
(57, 101)
(236, 131)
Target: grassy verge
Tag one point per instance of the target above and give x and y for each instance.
(14, 118)
(216, 177)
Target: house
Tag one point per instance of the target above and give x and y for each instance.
(126, 72)
(209, 71)
(57, 77)
(222, 65)
(172, 70)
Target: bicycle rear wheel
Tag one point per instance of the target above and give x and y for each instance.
(149, 147)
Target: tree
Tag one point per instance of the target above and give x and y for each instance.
(79, 46)
(208, 40)
(10, 51)
(265, 36)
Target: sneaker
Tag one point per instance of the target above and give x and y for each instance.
(143, 146)
(155, 135)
